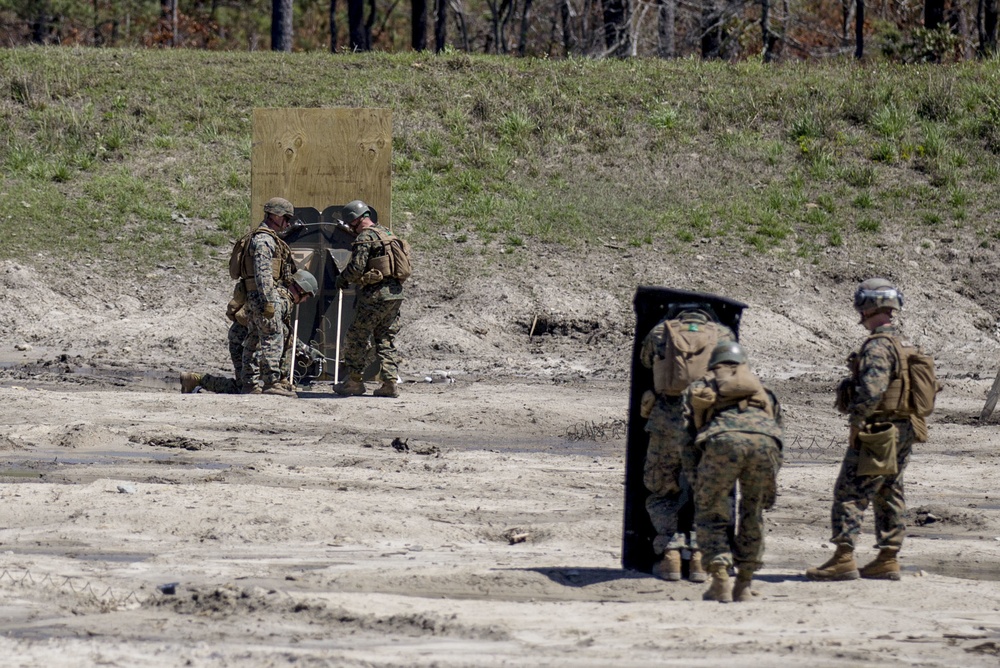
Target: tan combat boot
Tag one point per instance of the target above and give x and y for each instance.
(669, 567)
(250, 388)
(840, 566)
(282, 388)
(388, 389)
(696, 572)
(352, 387)
(884, 567)
(189, 382)
(741, 590)
(720, 589)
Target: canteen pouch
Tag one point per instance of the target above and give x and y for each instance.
(878, 450)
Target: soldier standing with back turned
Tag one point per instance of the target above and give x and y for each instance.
(379, 298)
(736, 423)
(872, 397)
(677, 350)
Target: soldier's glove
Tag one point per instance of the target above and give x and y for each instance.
(647, 403)
(852, 441)
(342, 283)
(371, 277)
(268, 311)
(845, 392)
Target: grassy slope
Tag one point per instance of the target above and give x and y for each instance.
(144, 156)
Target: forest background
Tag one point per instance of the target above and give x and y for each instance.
(903, 30)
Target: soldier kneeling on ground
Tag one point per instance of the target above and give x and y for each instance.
(737, 436)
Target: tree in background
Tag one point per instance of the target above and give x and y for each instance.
(281, 25)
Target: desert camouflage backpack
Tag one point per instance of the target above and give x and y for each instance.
(395, 258)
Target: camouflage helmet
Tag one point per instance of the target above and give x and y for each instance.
(354, 210)
(279, 206)
(877, 294)
(727, 351)
(306, 282)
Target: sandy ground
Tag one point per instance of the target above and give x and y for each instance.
(141, 526)
(297, 533)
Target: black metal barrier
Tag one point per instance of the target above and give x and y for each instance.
(651, 305)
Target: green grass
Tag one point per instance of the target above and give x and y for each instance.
(144, 155)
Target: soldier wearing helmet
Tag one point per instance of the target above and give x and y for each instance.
(870, 396)
(379, 297)
(302, 286)
(738, 437)
(266, 266)
(670, 504)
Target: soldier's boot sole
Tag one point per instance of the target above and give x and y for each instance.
(189, 382)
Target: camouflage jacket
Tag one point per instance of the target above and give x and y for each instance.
(367, 243)
(265, 251)
(750, 419)
(873, 367)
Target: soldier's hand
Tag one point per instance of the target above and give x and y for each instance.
(268, 310)
(853, 438)
(342, 282)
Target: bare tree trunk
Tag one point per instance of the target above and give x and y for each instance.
(711, 30)
(859, 30)
(666, 27)
(356, 25)
(767, 37)
(333, 26)
(460, 24)
(933, 13)
(418, 25)
(522, 46)
(616, 23)
(988, 45)
(281, 25)
(440, 24)
(566, 15)
(964, 32)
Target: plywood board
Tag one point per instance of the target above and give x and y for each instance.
(320, 158)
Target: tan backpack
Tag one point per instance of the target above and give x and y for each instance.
(915, 391)
(688, 347)
(395, 259)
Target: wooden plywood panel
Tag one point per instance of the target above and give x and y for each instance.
(322, 157)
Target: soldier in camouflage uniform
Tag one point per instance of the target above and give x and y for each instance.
(266, 267)
(302, 287)
(670, 503)
(376, 318)
(738, 436)
(869, 395)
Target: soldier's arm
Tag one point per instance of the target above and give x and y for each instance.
(876, 366)
(690, 453)
(650, 344)
(262, 247)
(359, 258)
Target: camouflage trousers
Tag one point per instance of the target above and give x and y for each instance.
(753, 460)
(670, 503)
(264, 345)
(852, 493)
(237, 335)
(219, 384)
(376, 324)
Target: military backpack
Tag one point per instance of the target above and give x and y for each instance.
(394, 260)
(687, 348)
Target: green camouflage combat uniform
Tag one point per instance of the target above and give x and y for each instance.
(269, 266)
(876, 366)
(376, 316)
(670, 503)
(739, 442)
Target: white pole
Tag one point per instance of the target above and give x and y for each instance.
(340, 311)
(295, 340)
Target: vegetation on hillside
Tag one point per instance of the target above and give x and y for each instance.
(143, 156)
